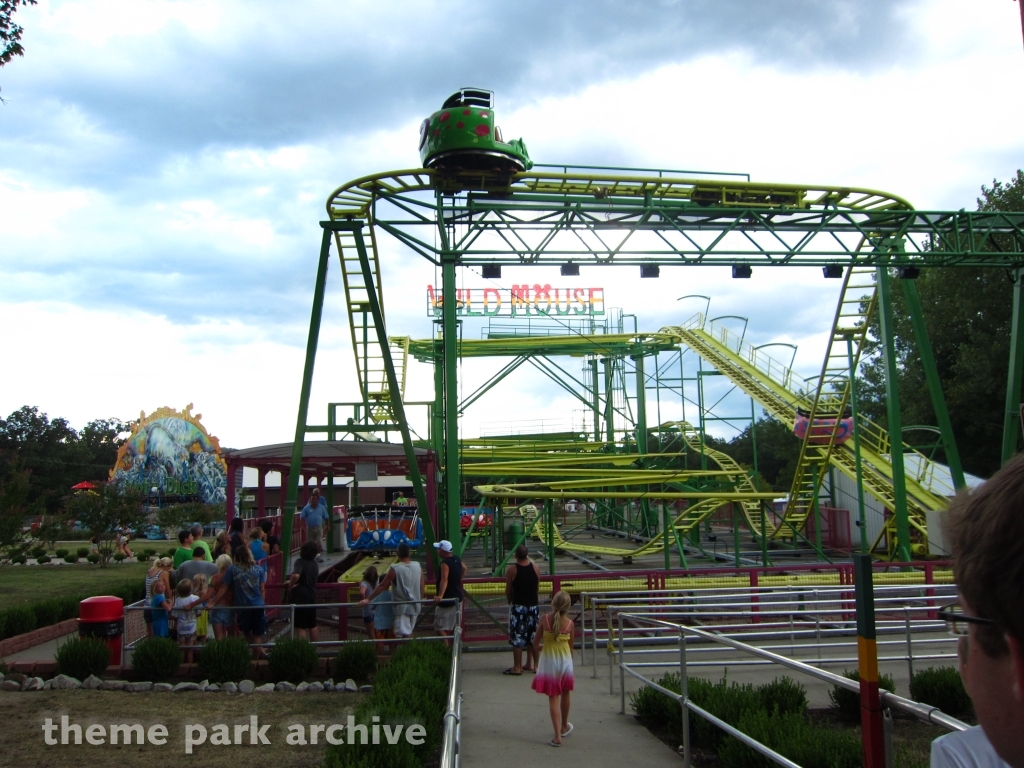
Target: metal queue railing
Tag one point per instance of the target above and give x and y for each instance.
(452, 729)
(682, 633)
(806, 621)
(285, 613)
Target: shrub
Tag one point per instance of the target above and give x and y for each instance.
(62, 553)
(941, 687)
(847, 703)
(119, 556)
(43, 559)
(83, 656)
(156, 658)
(171, 551)
(82, 552)
(355, 660)
(71, 559)
(143, 558)
(19, 559)
(227, 659)
(784, 694)
(37, 552)
(17, 621)
(412, 687)
(149, 552)
(791, 736)
(93, 558)
(292, 660)
(51, 611)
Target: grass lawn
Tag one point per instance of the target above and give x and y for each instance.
(23, 714)
(23, 584)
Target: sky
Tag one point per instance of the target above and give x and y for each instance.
(163, 167)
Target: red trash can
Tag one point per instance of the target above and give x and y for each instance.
(103, 617)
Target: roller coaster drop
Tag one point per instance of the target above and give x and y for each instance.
(607, 217)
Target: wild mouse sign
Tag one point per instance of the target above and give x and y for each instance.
(525, 299)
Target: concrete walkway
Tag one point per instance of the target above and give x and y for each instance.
(505, 723)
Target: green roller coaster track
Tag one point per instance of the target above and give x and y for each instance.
(621, 217)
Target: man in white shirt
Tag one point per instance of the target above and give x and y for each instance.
(986, 528)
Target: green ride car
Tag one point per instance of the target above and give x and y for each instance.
(462, 136)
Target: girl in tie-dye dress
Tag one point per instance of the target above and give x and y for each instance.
(554, 667)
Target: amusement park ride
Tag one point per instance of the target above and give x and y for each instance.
(480, 202)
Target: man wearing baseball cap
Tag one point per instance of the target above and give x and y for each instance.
(449, 588)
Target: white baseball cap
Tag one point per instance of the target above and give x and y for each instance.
(443, 544)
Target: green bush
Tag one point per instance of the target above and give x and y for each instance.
(62, 553)
(847, 703)
(119, 556)
(93, 558)
(148, 552)
(156, 658)
(37, 552)
(52, 611)
(791, 736)
(82, 552)
(83, 656)
(292, 660)
(19, 620)
(19, 559)
(224, 660)
(43, 559)
(71, 559)
(411, 688)
(143, 558)
(171, 551)
(355, 660)
(785, 694)
(941, 687)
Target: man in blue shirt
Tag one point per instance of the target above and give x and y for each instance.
(317, 518)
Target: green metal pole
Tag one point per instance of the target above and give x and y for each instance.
(899, 480)
(931, 376)
(597, 399)
(764, 538)
(450, 340)
(641, 445)
(437, 439)
(736, 535)
(330, 506)
(394, 391)
(859, 468)
(666, 530)
(753, 438)
(609, 402)
(549, 512)
(1011, 419)
(288, 508)
(872, 734)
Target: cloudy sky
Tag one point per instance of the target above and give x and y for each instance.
(163, 166)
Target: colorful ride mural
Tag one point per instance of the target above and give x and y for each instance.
(172, 452)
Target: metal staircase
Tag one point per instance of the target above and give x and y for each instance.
(831, 397)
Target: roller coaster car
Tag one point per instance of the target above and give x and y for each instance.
(821, 432)
(462, 136)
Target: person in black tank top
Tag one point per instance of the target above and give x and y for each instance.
(449, 587)
(522, 585)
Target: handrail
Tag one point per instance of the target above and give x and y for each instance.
(932, 715)
(450, 757)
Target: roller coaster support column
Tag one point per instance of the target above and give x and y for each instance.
(861, 522)
(1013, 381)
(291, 497)
(872, 735)
(931, 376)
(899, 479)
(549, 521)
(597, 399)
(641, 447)
(394, 390)
(450, 331)
(609, 399)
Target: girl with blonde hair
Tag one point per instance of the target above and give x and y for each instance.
(553, 643)
(221, 615)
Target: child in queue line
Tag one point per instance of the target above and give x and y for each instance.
(553, 642)
(220, 599)
(186, 613)
(161, 610)
(199, 589)
(366, 587)
(383, 621)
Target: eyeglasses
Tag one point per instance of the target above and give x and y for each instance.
(958, 622)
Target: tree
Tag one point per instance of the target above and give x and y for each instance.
(967, 312)
(106, 513)
(15, 538)
(57, 455)
(177, 517)
(10, 33)
(778, 450)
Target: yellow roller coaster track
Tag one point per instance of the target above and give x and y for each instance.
(355, 201)
(776, 388)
